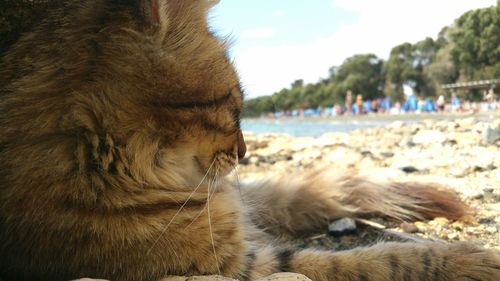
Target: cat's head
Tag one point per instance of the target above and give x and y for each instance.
(192, 94)
(158, 81)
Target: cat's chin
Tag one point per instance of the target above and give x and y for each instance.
(221, 165)
(225, 163)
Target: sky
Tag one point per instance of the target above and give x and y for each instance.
(275, 42)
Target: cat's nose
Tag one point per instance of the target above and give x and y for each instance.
(242, 148)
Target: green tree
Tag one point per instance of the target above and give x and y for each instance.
(442, 70)
(258, 106)
(424, 54)
(476, 49)
(400, 70)
(362, 74)
(407, 65)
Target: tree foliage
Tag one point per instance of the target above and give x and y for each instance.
(476, 50)
(467, 50)
(362, 74)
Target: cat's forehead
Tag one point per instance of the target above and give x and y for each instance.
(209, 95)
(184, 63)
(200, 71)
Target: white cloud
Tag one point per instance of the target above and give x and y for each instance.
(279, 13)
(268, 69)
(257, 33)
(380, 26)
(385, 23)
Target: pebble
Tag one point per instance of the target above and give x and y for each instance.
(342, 227)
(428, 137)
(453, 236)
(440, 221)
(491, 136)
(387, 154)
(409, 169)
(491, 229)
(408, 227)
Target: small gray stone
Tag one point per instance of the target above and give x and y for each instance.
(387, 154)
(342, 227)
(409, 169)
(244, 161)
(491, 136)
(408, 227)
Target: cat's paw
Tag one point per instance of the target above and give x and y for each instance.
(469, 262)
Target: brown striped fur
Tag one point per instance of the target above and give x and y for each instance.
(118, 122)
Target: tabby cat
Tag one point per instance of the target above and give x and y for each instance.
(118, 122)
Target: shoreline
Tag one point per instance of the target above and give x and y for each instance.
(389, 117)
(317, 126)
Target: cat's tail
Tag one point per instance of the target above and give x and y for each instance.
(311, 200)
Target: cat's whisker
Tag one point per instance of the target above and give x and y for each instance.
(202, 210)
(237, 174)
(210, 220)
(196, 217)
(236, 169)
(213, 185)
(215, 179)
(182, 207)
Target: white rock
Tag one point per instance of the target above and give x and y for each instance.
(396, 125)
(332, 139)
(285, 276)
(427, 137)
(344, 225)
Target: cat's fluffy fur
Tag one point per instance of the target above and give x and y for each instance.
(119, 119)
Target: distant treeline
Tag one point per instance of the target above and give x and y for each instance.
(467, 50)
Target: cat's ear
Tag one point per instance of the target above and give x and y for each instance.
(153, 13)
(159, 13)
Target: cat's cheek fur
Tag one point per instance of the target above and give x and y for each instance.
(177, 169)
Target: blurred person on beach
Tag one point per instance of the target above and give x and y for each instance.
(411, 103)
(359, 104)
(420, 105)
(396, 109)
(386, 104)
(338, 110)
(374, 105)
(455, 103)
(441, 103)
(491, 99)
(348, 102)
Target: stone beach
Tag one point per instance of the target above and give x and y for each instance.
(462, 154)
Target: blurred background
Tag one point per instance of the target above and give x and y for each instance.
(329, 58)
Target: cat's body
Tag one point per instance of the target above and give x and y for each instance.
(119, 119)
